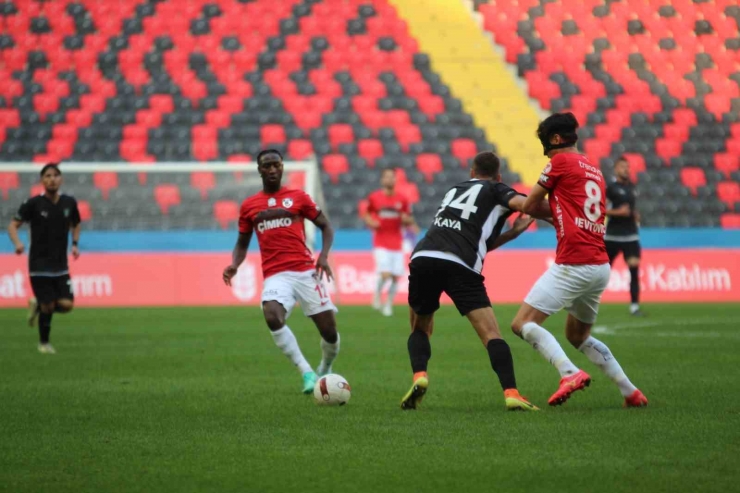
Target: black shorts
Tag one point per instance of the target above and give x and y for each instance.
(50, 289)
(628, 248)
(430, 277)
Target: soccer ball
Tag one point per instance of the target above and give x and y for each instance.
(332, 390)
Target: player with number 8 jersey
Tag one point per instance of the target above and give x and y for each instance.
(580, 274)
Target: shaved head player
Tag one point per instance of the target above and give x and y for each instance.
(276, 214)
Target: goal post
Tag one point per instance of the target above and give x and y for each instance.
(157, 196)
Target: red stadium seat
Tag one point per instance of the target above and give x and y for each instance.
(727, 163)
(637, 165)
(729, 192)
(429, 165)
(667, 148)
(409, 134)
(370, 150)
(408, 190)
(730, 221)
(335, 165)
(85, 211)
(300, 149)
(37, 189)
(225, 212)
(8, 181)
(105, 181)
(166, 196)
(272, 134)
(203, 181)
(464, 150)
(693, 178)
(340, 133)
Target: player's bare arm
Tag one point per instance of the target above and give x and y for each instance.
(621, 211)
(370, 221)
(13, 234)
(521, 223)
(535, 204)
(237, 256)
(327, 239)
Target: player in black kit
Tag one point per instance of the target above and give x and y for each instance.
(622, 232)
(449, 259)
(50, 216)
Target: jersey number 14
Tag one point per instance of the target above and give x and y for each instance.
(464, 203)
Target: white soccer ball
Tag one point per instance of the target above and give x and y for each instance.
(332, 390)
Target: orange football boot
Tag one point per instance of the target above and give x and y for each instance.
(568, 385)
(636, 399)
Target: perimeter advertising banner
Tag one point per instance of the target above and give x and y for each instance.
(158, 279)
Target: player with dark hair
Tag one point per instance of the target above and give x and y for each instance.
(622, 231)
(50, 216)
(449, 259)
(581, 270)
(388, 212)
(277, 214)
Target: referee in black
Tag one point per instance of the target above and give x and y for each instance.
(622, 232)
(50, 217)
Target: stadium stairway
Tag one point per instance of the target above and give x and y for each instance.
(464, 57)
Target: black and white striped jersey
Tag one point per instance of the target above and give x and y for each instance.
(468, 221)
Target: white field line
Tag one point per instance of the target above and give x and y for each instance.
(709, 322)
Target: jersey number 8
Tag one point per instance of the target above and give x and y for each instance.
(465, 202)
(592, 205)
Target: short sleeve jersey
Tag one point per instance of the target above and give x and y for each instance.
(577, 201)
(624, 228)
(388, 209)
(277, 218)
(50, 224)
(470, 218)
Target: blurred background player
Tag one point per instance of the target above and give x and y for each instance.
(50, 217)
(388, 213)
(277, 214)
(581, 270)
(622, 230)
(450, 259)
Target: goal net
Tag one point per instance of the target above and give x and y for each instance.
(151, 197)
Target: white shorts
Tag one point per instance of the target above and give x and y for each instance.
(577, 288)
(287, 288)
(391, 261)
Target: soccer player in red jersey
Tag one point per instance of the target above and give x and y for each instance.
(577, 279)
(276, 214)
(387, 214)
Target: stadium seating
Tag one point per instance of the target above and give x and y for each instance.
(659, 80)
(217, 80)
(344, 81)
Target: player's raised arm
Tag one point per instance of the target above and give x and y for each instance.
(521, 223)
(237, 256)
(535, 206)
(327, 239)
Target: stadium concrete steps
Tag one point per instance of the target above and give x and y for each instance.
(465, 59)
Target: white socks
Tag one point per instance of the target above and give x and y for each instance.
(329, 353)
(548, 346)
(392, 292)
(634, 308)
(601, 356)
(288, 344)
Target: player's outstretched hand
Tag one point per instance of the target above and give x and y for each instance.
(322, 267)
(20, 248)
(75, 252)
(229, 272)
(522, 222)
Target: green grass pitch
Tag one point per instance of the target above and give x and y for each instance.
(200, 400)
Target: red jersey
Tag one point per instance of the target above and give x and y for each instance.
(388, 209)
(577, 201)
(278, 219)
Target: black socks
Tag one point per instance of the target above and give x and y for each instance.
(635, 284)
(502, 362)
(420, 350)
(44, 327)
